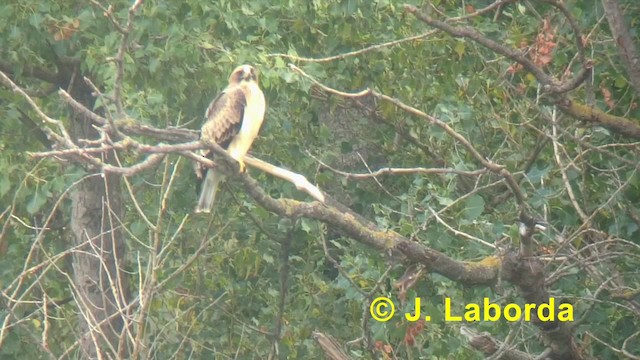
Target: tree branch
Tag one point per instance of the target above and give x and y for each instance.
(626, 48)
(579, 111)
(119, 59)
(357, 52)
(493, 167)
(331, 347)
(398, 171)
(36, 72)
(549, 83)
(32, 127)
(574, 26)
(130, 125)
(598, 117)
(473, 34)
(63, 137)
(364, 231)
(485, 343)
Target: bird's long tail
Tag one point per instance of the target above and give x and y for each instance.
(208, 190)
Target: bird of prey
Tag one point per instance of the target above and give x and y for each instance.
(233, 120)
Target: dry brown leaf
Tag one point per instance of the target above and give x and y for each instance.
(606, 95)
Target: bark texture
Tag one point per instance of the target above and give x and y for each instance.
(102, 288)
(624, 41)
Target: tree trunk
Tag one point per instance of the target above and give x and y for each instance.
(102, 288)
(624, 41)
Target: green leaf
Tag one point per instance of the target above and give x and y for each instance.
(153, 65)
(536, 174)
(346, 147)
(474, 206)
(38, 199)
(305, 224)
(459, 48)
(5, 184)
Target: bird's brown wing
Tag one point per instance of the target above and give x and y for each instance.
(223, 120)
(224, 116)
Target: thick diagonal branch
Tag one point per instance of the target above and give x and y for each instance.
(551, 85)
(358, 228)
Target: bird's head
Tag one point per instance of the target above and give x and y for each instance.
(243, 73)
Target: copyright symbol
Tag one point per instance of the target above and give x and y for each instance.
(382, 309)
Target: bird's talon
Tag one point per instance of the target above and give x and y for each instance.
(243, 168)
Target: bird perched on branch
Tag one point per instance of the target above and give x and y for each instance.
(233, 120)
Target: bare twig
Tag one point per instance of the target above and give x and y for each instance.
(119, 59)
(612, 348)
(493, 167)
(549, 83)
(130, 126)
(473, 34)
(112, 125)
(330, 346)
(376, 47)
(285, 250)
(298, 180)
(563, 171)
(150, 162)
(398, 171)
(357, 52)
(126, 144)
(63, 137)
(108, 12)
(488, 345)
(460, 233)
(495, 5)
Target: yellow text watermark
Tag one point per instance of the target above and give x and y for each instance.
(382, 309)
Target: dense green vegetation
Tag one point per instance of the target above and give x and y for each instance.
(249, 282)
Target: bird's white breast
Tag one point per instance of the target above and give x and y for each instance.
(251, 122)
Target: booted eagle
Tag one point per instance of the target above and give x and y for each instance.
(233, 120)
